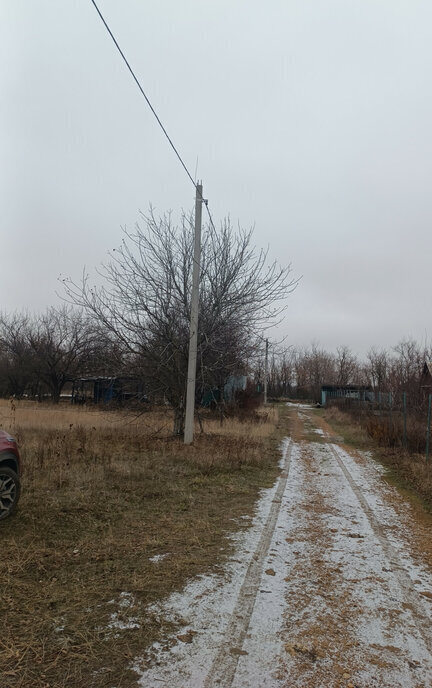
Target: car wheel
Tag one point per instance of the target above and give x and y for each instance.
(9, 491)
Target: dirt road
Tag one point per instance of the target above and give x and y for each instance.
(330, 586)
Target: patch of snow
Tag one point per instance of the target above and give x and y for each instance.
(159, 557)
(126, 600)
(121, 625)
(60, 621)
(118, 620)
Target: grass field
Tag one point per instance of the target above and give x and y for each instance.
(115, 514)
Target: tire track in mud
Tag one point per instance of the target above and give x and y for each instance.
(224, 665)
(419, 615)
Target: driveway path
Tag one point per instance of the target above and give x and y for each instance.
(329, 587)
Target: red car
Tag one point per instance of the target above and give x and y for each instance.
(10, 473)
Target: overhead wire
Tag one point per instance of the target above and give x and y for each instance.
(135, 78)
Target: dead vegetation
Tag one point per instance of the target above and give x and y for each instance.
(410, 468)
(115, 515)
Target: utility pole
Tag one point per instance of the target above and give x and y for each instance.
(193, 336)
(266, 370)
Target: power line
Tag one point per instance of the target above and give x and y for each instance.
(143, 93)
(135, 78)
(209, 214)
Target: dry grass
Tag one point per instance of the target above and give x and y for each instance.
(408, 469)
(103, 493)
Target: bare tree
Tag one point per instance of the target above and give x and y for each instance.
(312, 368)
(17, 361)
(280, 370)
(40, 353)
(347, 368)
(62, 341)
(321, 369)
(378, 367)
(145, 302)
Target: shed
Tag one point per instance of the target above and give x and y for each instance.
(107, 389)
(353, 392)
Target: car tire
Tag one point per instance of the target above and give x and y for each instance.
(10, 489)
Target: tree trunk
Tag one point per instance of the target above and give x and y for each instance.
(179, 420)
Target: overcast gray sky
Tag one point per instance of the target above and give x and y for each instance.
(309, 119)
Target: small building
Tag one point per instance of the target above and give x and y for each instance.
(426, 378)
(107, 389)
(349, 392)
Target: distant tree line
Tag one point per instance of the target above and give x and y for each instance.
(40, 353)
(300, 372)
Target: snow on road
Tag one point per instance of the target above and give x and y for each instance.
(324, 588)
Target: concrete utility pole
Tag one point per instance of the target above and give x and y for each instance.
(266, 370)
(193, 338)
